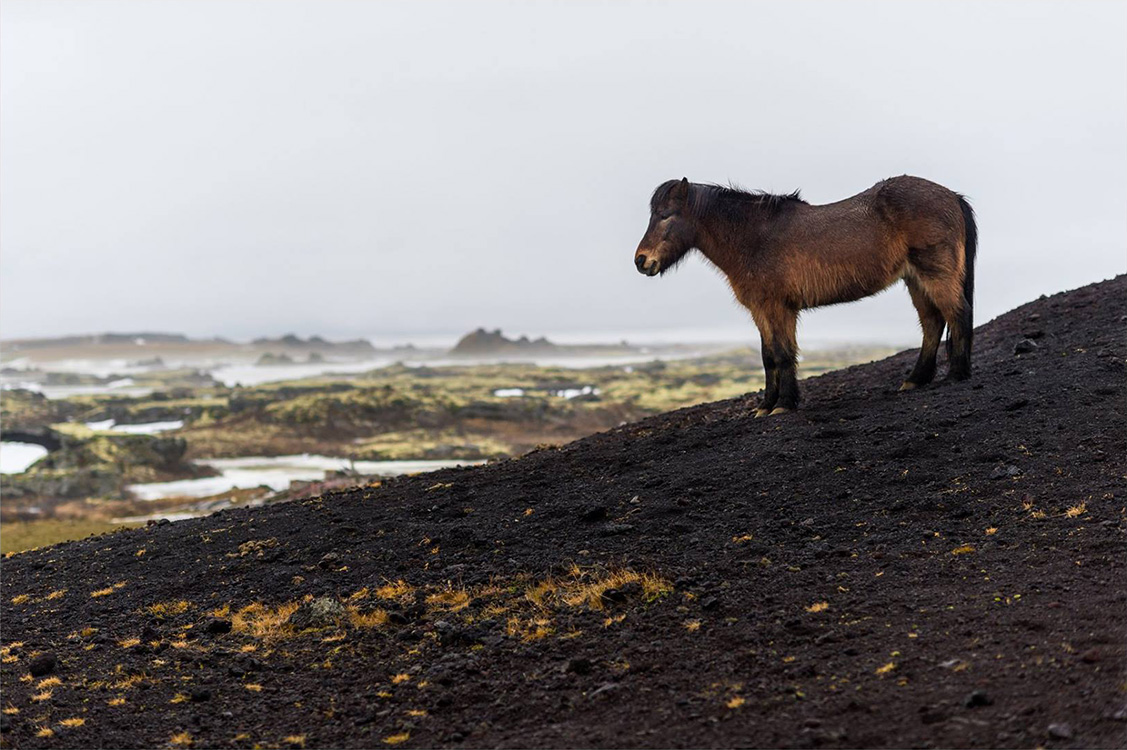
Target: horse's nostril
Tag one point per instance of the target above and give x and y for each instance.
(639, 261)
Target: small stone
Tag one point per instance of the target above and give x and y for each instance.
(978, 698)
(1025, 346)
(43, 664)
(603, 689)
(1060, 731)
(709, 603)
(1005, 472)
(1091, 656)
(579, 665)
(593, 513)
(217, 626)
(199, 695)
(329, 560)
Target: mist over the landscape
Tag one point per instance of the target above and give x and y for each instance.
(415, 170)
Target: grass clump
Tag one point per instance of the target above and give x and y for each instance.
(265, 623)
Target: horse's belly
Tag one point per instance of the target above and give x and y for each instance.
(821, 284)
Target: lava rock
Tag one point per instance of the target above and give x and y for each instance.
(1060, 731)
(318, 613)
(217, 626)
(1005, 472)
(199, 695)
(579, 666)
(593, 513)
(622, 593)
(977, 699)
(1025, 346)
(44, 664)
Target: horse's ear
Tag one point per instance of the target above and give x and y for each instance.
(680, 191)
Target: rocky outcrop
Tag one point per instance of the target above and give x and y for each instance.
(484, 343)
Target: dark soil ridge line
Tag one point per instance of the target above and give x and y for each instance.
(966, 541)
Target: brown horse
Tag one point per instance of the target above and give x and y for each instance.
(781, 256)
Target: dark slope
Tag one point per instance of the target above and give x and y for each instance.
(935, 526)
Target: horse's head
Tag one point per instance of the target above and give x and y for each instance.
(671, 232)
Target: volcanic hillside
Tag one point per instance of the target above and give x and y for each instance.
(943, 567)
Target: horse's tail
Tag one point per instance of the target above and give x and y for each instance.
(960, 359)
(970, 242)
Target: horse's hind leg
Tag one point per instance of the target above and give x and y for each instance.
(931, 321)
(948, 298)
(771, 390)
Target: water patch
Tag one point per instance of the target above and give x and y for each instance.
(146, 428)
(570, 393)
(15, 458)
(276, 473)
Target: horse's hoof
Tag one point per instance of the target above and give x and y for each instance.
(761, 412)
(780, 410)
(908, 385)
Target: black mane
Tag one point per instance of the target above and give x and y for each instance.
(726, 201)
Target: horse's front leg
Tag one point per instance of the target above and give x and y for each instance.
(771, 389)
(785, 352)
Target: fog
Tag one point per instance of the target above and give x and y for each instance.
(410, 170)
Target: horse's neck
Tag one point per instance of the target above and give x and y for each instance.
(729, 248)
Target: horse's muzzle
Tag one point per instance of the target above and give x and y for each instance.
(647, 266)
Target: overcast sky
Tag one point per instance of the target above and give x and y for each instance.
(395, 170)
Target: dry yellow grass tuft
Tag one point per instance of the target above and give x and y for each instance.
(21, 599)
(116, 702)
(692, 626)
(400, 678)
(449, 599)
(129, 642)
(48, 682)
(128, 682)
(992, 531)
(295, 739)
(1076, 510)
(370, 619)
(358, 595)
(181, 739)
(965, 549)
(886, 668)
(267, 623)
(395, 590)
(591, 593)
(45, 732)
(10, 710)
(587, 587)
(416, 712)
(532, 629)
(818, 607)
(396, 739)
(44, 696)
(72, 723)
(736, 702)
(254, 688)
(162, 610)
(179, 698)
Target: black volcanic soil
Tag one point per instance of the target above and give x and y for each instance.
(938, 568)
